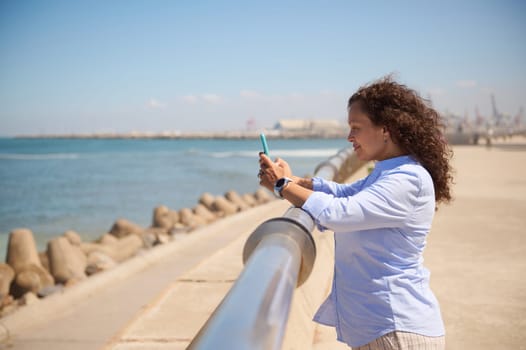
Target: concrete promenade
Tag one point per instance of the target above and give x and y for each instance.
(476, 254)
(477, 249)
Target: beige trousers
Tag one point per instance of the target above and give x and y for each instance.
(405, 341)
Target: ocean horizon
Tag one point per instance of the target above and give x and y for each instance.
(53, 185)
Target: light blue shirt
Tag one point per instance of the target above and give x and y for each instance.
(380, 225)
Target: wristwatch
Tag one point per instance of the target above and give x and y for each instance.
(280, 185)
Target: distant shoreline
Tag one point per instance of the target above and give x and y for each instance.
(230, 135)
(454, 137)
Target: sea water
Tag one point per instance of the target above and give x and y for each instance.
(53, 185)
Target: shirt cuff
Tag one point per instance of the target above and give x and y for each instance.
(315, 205)
(317, 183)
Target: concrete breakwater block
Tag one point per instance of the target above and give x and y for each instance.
(7, 274)
(120, 250)
(31, 278)
(22, 250)
(249, 199)
(236, 199)
(163, 218)
(23, 258)
(73, 237)
(49, 290)
(127, 247)
(89, 247)
(107, 239)
(221, 204)
(123, 227)
(189, 219)
(28, 299)
(207, 200)
(44, 260)
(203, 212)
(98, 261)
(263, 196)
(66, 261)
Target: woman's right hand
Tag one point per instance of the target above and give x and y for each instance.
(270, 171)
(287, 171)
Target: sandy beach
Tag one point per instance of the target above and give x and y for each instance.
(477, 249)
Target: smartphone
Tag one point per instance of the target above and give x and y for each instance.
(264, 143)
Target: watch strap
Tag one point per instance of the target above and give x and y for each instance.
(280, 185)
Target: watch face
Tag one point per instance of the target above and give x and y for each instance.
(280, 182)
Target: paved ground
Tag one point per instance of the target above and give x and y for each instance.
(477, 250)
(476, 255)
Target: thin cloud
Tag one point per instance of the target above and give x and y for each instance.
(156, 104)
(202, 99)
(466, 84)
(212, 98)
(190, 99)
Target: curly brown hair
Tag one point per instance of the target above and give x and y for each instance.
(413, 125)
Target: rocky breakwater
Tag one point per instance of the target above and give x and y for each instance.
(29, 275)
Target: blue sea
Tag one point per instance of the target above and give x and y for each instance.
(54, 185)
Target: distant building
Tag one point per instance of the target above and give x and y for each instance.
(318, 128)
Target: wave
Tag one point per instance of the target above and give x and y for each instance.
(44, 156)
(283, 153)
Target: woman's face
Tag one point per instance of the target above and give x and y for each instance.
(368, 139)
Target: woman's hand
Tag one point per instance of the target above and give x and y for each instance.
(297, 192)
(270, 172)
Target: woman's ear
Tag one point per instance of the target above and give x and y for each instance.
(385, 132)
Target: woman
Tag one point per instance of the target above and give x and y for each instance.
(380, 296)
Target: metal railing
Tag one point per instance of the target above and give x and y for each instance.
(278, 256)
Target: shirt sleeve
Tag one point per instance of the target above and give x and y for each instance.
(388, 202)
(336, 189)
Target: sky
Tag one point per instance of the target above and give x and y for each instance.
(154, 66)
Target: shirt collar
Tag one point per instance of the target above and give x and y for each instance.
(392, 163)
